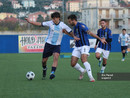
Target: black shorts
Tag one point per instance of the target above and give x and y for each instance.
(50, 49)
(123, 48)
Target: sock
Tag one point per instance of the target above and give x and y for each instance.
(79, 68)
(44, 67)
(103, 67)
(88, 68)
(100, 59)
(123, 55)
(53, 70)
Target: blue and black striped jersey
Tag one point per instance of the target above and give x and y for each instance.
(107, 35)
(80, 32)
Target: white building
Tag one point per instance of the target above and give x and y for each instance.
(46, 7)
(92, 13)
(73, 6)
(28, 3)
(53, 6)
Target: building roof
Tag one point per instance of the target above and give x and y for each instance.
(77, 1)
(40, 12)
(12, 19)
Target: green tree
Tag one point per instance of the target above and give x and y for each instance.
(40, 18)
(7, 7)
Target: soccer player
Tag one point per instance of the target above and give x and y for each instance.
(53, 41)
(82, 46)
(104, 49)
(123, 39)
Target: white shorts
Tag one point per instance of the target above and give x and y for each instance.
(104, 52)
(81, 50)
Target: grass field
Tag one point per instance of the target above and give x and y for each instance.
(13, 84)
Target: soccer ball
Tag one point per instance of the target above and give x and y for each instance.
(30, 75)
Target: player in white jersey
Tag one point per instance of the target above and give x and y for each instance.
(123, 39)
(53, 41)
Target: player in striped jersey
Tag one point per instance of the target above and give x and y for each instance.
(104, 33)
(82, 47)
(123, 39)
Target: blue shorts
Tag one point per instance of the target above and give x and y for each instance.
(50, 49)
(123, 48)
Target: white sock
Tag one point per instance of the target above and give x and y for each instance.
(100, 59)
(88, 68)
(79, 68)
(103, 68)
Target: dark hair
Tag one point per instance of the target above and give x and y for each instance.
(123, 29)
(55, 15)
(72, 17)
(103, 20)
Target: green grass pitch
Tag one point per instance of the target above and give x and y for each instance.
(13, 83)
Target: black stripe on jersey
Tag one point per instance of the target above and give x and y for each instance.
(109, 43)
(105, 43)
(77, 42)
(80, 36)
(100, 37)
(83, 38)
(104, 36)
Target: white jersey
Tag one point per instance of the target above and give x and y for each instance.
(55, 33)
(123, 39)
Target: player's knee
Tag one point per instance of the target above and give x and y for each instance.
(97, 56)
(56, 56)
(123, 51)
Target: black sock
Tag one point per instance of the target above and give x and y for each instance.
(44, 67)
(123, 55)
(104, 65)
(53, 70)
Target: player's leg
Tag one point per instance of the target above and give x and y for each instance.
(54, 65)
(84, 56)
(105, 57)
(126, 50)
(56, 53)
(103, 65)
(87, 66)
(46, 53)
(98, 55)
(123, 55)
(123, 52)
(74, 59)
(44, 66)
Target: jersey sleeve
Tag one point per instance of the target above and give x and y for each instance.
(110, 34)
(127, 37)
(84, 28)
(98, 33)
(48, 23)
(119, 38)
(67, 28)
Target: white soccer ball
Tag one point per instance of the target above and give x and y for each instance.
(30, 75)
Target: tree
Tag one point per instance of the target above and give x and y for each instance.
(7, 7)
(40, 18)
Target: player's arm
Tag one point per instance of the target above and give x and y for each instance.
(119, 39)
(94, 35)
(33, 23)
(127, 39)
(67, 30)
(71, 34)
(85, 29)
(96, 41)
